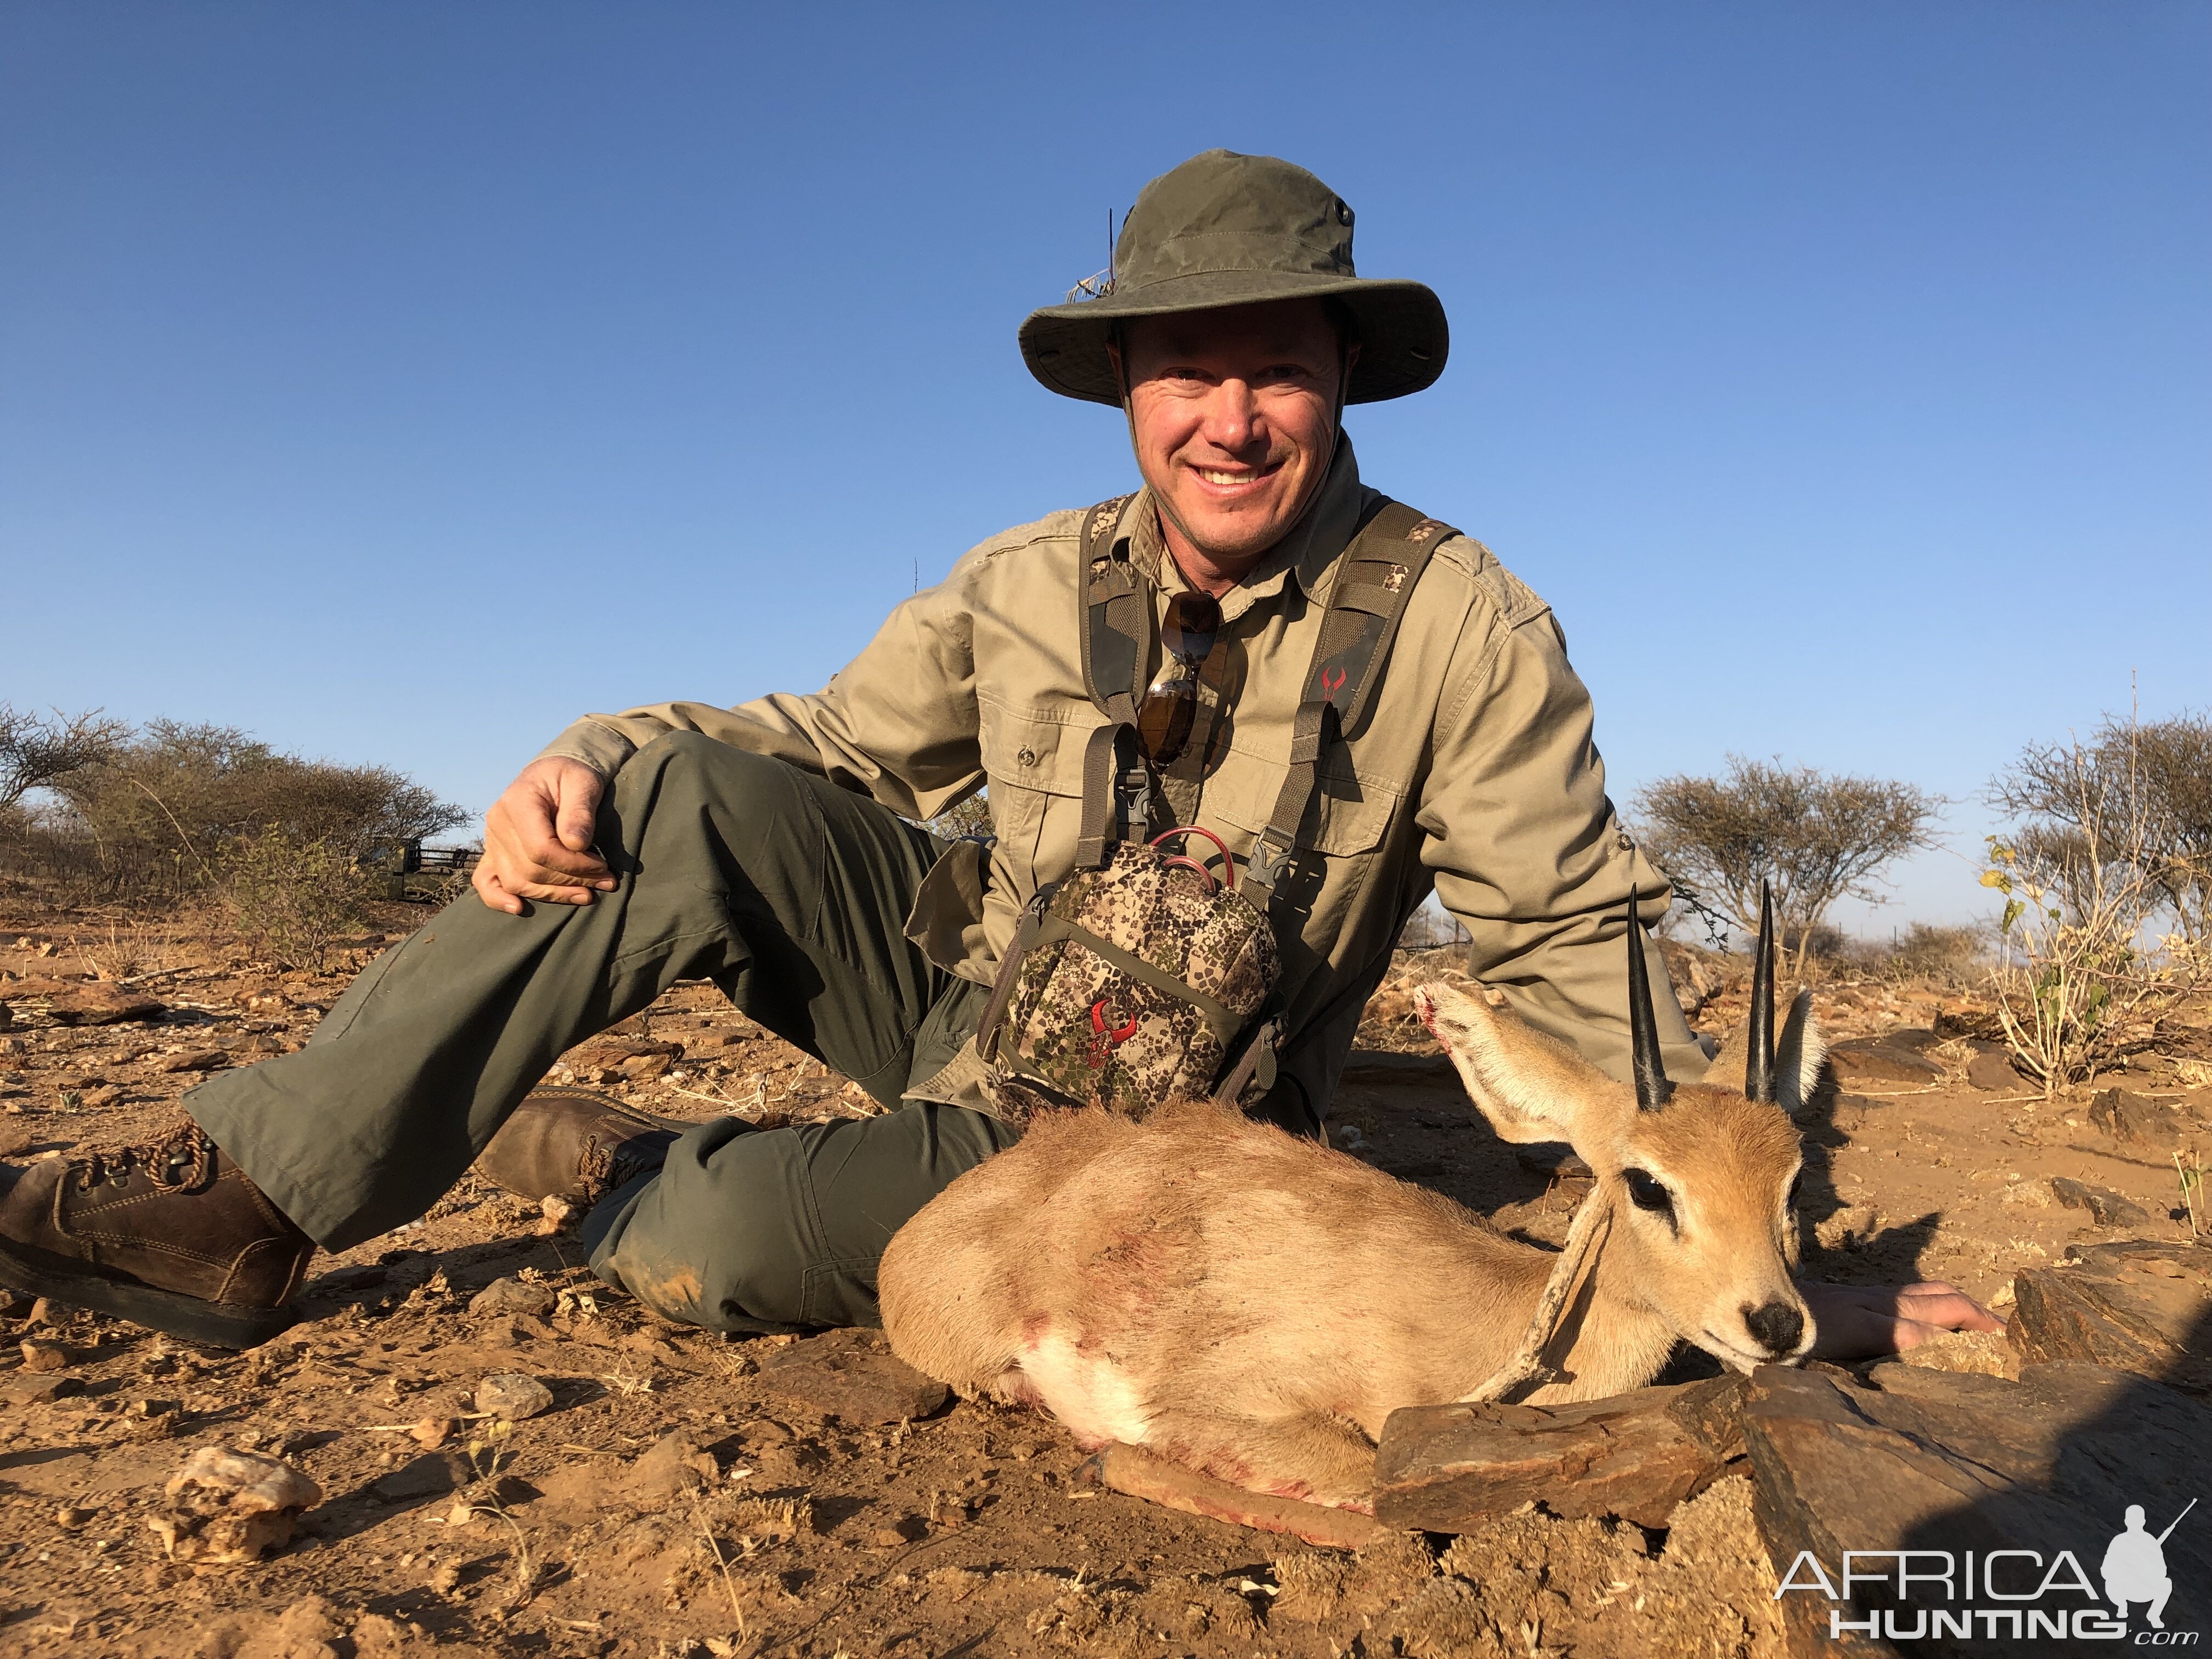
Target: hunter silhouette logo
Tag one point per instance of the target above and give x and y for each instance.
(2135, 1566)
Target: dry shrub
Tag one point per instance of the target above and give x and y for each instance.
(152, 817)
(2090, 870)
(1953, 958)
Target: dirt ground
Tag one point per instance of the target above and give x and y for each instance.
(676, 1498)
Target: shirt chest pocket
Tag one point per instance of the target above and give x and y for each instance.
(1348, 817)
(1034, 764)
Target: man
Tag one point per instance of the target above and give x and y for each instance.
(771, 847)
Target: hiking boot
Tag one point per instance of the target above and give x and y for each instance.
(169, 1233)
(575, 1144)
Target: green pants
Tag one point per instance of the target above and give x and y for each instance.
(787, 892)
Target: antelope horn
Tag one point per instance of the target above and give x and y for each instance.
(1652, 1089)
(1759, 1081)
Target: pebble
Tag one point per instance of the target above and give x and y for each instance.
(511, 1397)
(507, 1296)
(432, 1431)
(44, 1357)
(195, 1060)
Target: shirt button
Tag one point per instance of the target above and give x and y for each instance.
(1622, 841)
(1028, 757)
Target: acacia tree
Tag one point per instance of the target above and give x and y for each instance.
(1816, 837)
(36, 751)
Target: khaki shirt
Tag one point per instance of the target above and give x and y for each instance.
(1472, 775)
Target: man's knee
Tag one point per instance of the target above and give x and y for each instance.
(723, 1237)
(757, 800)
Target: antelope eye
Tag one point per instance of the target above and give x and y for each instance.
(1647, 1192)
(1797, 1191)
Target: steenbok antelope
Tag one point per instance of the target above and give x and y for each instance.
(1252, 1305)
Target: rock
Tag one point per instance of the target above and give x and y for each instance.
(2143, 1305)
(1849, 1227)
(1860, 1061)
(2105, 1208)
(102, 1005)
(1980, 1353)
(853, 1375)
(1940, 1462)
(42, 1358)
(194, 1060)
(1454, 1467)
(2130, 1117)
(15, 1139)
(7, 1018)
(99, 1095)
(1990, 1070)
(511, 1396)
(227, 1506)
(432, 1431)
(512, 1296)
(672, 1465)
(42, 1390)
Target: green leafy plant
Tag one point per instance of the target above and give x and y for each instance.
(296, 898)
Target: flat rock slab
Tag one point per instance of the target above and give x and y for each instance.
(1941, 1463)
(100, 1004)
(1991, 1071)
(853, 1375)
(2143, 1305)
(1879, 1059)
(1455, 1467)
(2106, 1207)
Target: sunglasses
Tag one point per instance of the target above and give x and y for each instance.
(1170, 709)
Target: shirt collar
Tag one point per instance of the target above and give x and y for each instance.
(1308, 553)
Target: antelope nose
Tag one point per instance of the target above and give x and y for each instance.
(1777, 1327)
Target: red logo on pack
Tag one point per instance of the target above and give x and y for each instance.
(1331, 682)
(1108, 1038)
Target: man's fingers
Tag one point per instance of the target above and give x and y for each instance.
(489, 890)
(579, 795)
(1954, 1311)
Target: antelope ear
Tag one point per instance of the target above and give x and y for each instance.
(1530, 1087)
(1797, 1055)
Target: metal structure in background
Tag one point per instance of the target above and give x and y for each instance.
(416, 874)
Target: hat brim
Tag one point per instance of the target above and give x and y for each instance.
(1403, 337)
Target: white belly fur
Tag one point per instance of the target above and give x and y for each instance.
(1097, 1401)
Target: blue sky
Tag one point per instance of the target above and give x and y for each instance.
(399, 380)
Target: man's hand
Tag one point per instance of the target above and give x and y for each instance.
(1857, 1321)
(538, 839)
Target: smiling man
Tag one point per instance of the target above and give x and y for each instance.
(772, 847)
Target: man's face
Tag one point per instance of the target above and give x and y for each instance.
(1234, 412)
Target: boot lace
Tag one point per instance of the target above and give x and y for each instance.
(183, 1158)
(603, 1168)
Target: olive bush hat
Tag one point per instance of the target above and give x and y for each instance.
(1225, 229)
